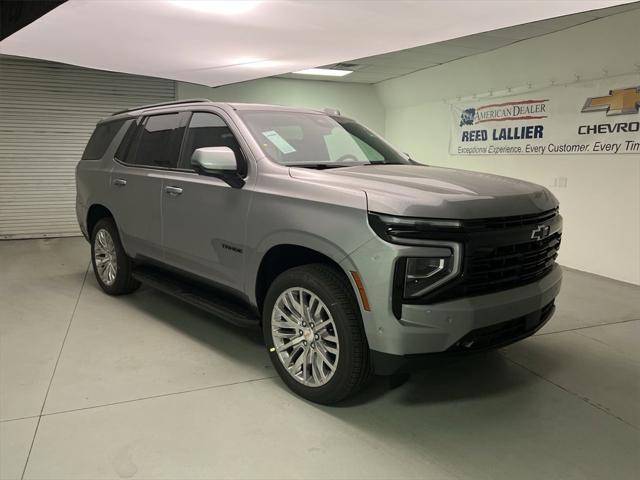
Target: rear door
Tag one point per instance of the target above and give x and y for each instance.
(149, 151)
(205, 218)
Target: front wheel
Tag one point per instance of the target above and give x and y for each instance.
(111, 265)
(313, 330)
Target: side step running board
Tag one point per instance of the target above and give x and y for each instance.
(197, 295)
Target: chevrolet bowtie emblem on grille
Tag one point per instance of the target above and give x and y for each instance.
(540, 232)
(618, 102)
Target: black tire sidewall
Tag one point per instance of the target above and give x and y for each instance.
(344, 314)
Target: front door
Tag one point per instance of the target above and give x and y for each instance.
(205, 218)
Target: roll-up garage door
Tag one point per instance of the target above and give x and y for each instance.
(47, 113)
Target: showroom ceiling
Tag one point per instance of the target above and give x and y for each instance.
(395, 64)
(220, 42)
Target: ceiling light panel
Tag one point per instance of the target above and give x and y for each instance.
(217, 7)
(194, 40)
(324, 72)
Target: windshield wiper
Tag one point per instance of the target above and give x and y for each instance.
(317, 166)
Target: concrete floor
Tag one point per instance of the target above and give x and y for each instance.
(144, 386)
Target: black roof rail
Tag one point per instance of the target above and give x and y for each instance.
(175, 102)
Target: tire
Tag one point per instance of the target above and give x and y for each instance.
(311, 377)
(104, 236)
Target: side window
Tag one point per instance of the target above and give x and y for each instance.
(158, 142)
(101, 139)
(126, 151)
(209, 130)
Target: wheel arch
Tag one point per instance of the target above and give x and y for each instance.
(284, 256)
(95, 213)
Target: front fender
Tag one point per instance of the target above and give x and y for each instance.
(290, 237)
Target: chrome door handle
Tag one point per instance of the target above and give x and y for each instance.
(173, 190)
(119, 182)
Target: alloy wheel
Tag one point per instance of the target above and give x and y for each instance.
(104, 254)
(305, 337)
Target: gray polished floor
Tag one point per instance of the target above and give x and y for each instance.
(144, 386)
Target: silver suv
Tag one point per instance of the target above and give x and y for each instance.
(353, 258)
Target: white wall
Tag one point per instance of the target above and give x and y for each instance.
(601, 202)
(352, 99)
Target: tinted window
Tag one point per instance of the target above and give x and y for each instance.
(125, 152)
(101, 139)
(158, 142)
(208, 130)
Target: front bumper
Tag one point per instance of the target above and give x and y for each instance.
(476, 341)
(436, 328)
(431, 328)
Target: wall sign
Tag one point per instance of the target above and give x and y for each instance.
(600, 117)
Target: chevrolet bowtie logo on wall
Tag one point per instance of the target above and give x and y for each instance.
(618, 102)
(540, 232)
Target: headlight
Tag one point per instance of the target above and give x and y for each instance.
(412, 231)
(424, 274)
(440, 241)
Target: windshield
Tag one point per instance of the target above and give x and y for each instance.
(316, 140)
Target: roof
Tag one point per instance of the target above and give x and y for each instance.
(199, 101)
(264, 106)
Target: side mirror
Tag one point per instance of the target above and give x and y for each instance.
(218, 162)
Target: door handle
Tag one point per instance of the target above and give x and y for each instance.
(173, 190)
(119, 182)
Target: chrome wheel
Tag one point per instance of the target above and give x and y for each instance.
(305, 337)
(104, 255)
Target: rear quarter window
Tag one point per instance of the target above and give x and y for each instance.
(101, 139)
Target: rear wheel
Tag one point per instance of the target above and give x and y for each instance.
(112, 267)
(313, 329)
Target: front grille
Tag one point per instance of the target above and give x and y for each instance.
(500, 268)
(498, 254)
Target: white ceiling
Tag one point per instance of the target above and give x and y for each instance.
(378, 68)
(203, 42)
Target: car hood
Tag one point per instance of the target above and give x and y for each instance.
(424, 191)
